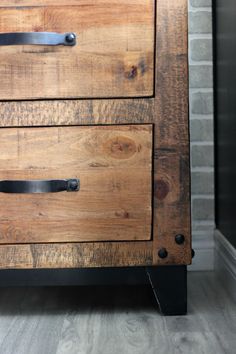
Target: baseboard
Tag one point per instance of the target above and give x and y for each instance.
(204, 255)
(225, 263)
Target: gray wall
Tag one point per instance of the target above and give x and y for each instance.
(201, 131)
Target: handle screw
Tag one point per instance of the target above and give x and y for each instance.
(70, 38)
(73, 185)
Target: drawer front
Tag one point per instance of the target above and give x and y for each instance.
(114, 166)
(113, 55)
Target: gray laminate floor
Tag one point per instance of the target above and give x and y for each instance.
(115, 320)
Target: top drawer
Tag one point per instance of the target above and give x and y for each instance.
(113, 55)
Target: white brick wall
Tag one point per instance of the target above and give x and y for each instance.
(201, 131)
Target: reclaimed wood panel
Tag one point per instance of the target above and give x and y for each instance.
(14, 3)
(76, 255)
(114, 165)
(172, 156)
(168, 111)
(114, 55)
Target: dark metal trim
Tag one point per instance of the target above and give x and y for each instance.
(38, 38)
(40, 186)
(169, 285)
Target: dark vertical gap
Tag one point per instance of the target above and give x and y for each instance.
(155, 50)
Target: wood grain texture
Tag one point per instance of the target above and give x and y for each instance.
(114, 166)
(168, 111)
(113, 56)
(14, 3)
(171, 154)
(76, 255)
(116, 319)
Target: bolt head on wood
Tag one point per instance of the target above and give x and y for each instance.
(162, 253)
(70, 37)
(179, 239)
(73, 185)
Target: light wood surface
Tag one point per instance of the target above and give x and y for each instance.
(114, 166)
(14, 3)
(168, 111)
(107, 320)
(113, 57)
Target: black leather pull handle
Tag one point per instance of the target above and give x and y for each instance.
(38, 38)
(40, 186)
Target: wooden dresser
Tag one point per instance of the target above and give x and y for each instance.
(94, 139)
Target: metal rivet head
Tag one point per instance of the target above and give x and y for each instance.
(70, 38)
(179, 239)
(162, 253)
(73, 185)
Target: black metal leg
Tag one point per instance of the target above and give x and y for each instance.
(169, 284)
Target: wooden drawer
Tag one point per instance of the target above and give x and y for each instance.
(113, 55)
(114, 166)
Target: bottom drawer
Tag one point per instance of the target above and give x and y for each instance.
(113, 165)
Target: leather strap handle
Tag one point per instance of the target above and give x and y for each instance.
(38, 38)
(40, 186)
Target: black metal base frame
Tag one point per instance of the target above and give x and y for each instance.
(169, 284)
